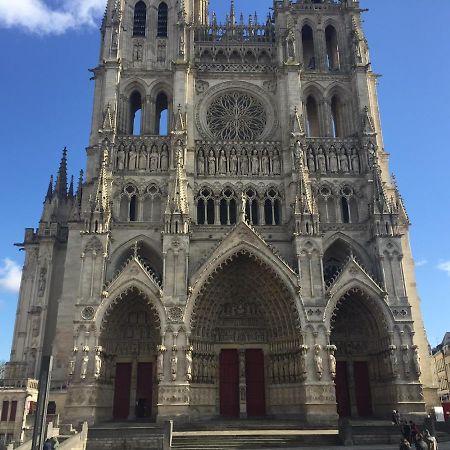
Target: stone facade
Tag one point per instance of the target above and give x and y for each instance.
(264, 221)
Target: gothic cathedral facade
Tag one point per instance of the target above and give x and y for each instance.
(237, 246)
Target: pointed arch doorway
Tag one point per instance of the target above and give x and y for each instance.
(129, 337)
(361, 337)
(245, 337)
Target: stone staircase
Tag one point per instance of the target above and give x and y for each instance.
(250, 435)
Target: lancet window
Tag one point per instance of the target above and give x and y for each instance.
(163, 16)
(309, 59)
(228, 207)
(129, 204)
(252, 207)
(135, 124)
(333, 60)
(272, 208)
(162, 114)
(140, 19)
(152, 204)
(205, 207)
(349, 205)
(312, 117)
(337, 122)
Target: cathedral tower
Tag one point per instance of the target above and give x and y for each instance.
(237, 247)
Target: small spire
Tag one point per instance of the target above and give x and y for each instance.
(50, 189)
(61, 181)
(255, 19)
(232, 13)
(136, 249)
(80, 183)
(70, 194)
(241, 20)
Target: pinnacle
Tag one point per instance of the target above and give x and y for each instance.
(61, 181)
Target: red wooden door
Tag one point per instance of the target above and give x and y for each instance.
(362, 389)
(229, 383)
(144, 390)
(122, 385)
(342, 390)
(256, 387)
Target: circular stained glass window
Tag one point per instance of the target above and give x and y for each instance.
(236, 116)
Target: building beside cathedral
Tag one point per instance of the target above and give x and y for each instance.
(252, 261)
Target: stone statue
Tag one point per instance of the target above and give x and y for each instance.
(265, 163)
(406, 358)
(42, 281)
(98, 362)
(132, 157)
(255, 162)
(332, 360)
(153, 160)
(297, 152)
(244, 162)
(303, 361)
(160, 362)
(343, 159)
(276, 163)
(333, 161)
(311, 162)
(164, 159)
(84, 362)
(121, 158)
(143, 158)
(201, 163)
(393, 359)
(211, 163)
(233, 162)
(416, 360)
(318, 361)
(222, 163)
(174, 364)
(355, 161)
(72, 362)
(321, 163)
(189, 350)
(137, 52)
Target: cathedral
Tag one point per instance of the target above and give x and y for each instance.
(237, 246)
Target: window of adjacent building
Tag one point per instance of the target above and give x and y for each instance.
(140, 19)
(5, 409)
(163, 16)
(309, 59)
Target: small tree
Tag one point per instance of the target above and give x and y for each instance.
(2, 370)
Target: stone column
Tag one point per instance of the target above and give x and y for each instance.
(242, 386)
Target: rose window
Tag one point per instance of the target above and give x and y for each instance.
(236, 116)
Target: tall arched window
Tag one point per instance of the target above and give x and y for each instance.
(272, 208)
(309, 58)
(205, 207)
(345, 210)
(135, 125)
(228, 208)
(312, 117)
(129, 204)
(162, 114)
(349, 206)
(140, 19)
(337, 123)
(327, 207)
(333, 61)
(163, 16)
(252, 207)
(152, 205)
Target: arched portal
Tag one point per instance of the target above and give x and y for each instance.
(130, 334)
(364, 377)
(246, 341)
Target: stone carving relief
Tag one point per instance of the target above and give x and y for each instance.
(42, 283)
(322, 160)
(88, 313)
(174, 363)
(98, 362)
(201, 86)
(175, 313)
(318, 361)
(146, 154)
(161, 349)
(260, 159)
(84, 362)
(332, 360)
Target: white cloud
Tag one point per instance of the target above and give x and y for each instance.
(445, 267)
(422, 262)
(10, 276)
(38, 16)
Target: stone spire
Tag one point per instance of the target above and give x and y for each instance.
(61, 180)
(177, 218)
(49, 195)
(70, 193)
(100, 214)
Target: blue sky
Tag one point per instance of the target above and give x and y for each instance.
(46, 105)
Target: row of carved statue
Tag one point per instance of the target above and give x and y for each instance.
(155, 159)
(332, 160)
(237, 161)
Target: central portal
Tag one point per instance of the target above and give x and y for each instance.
(244, 340)
(242, 383)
